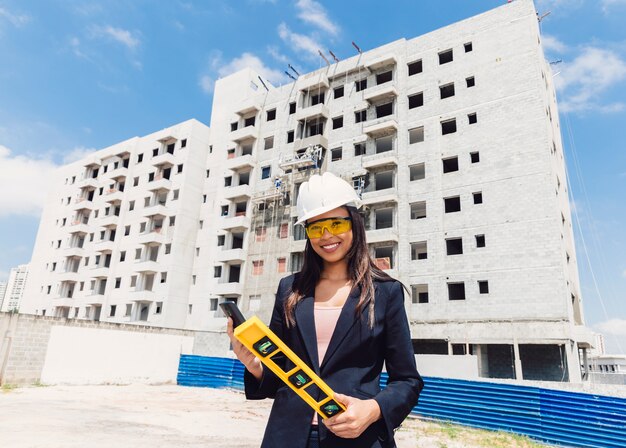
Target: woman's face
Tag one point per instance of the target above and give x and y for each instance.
(332, 248)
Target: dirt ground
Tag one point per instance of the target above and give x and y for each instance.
(138, 416)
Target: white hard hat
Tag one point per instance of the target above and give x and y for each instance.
(324, 193)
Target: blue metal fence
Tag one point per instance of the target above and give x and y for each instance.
(556, 417)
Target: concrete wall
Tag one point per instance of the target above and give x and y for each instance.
(448, 366)
(56, 350)
(94, 356)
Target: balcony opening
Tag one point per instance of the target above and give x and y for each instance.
(456, 291)
(240, 208)
(144, 311)
(384, 110)
(384, 218)
(317, 99)
(244, 178)
(246, 149)
(454, 246)
(419, 250)
(383, 257)
(249, 121)
(384, 144)
(418, 210)
(416, 135)
(384, 77)
(419, 293)
(234, 273)
(383, 180)
(452, 204)
(315, 127)
(446, 56)
(417, 172)
(170, 148)
(446, 91)
(450, 164)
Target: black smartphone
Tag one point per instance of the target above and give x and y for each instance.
(232, 310)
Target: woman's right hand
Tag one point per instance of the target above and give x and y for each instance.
(252, 363)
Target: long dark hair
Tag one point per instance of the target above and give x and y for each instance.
(361, 270)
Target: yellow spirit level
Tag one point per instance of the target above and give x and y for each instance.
(268, 347)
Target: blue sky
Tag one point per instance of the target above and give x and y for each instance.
(80, 75)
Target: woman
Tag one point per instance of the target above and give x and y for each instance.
(345, 318)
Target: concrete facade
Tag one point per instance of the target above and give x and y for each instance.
(14, 289)
(117, 235)
(3, 288)
(453, 142)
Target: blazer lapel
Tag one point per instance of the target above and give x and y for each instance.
(347, 319)
(305, 322)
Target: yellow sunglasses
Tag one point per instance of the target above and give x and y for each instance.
(336, 226)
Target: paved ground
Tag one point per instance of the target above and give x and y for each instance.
(140, 416)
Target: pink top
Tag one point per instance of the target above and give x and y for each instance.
(326, 318)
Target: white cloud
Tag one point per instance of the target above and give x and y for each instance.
(616, 327)
(25, 183)
(607, 4)
(120, 35)
(312, 12)
(550, 5)
(299, 42)
(587, 77)
(276, 54)
(16, 20)
(221, 68)
(552, 44)
(206, 84)
(77, 154)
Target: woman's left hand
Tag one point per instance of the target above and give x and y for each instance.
(351, 423)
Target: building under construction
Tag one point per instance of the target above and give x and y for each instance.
(452, 141)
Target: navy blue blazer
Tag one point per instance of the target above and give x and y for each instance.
(351, 366)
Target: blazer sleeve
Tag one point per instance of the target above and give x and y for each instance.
(405, 384)
(269, 383)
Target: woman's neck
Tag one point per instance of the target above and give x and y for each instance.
(335, 271)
